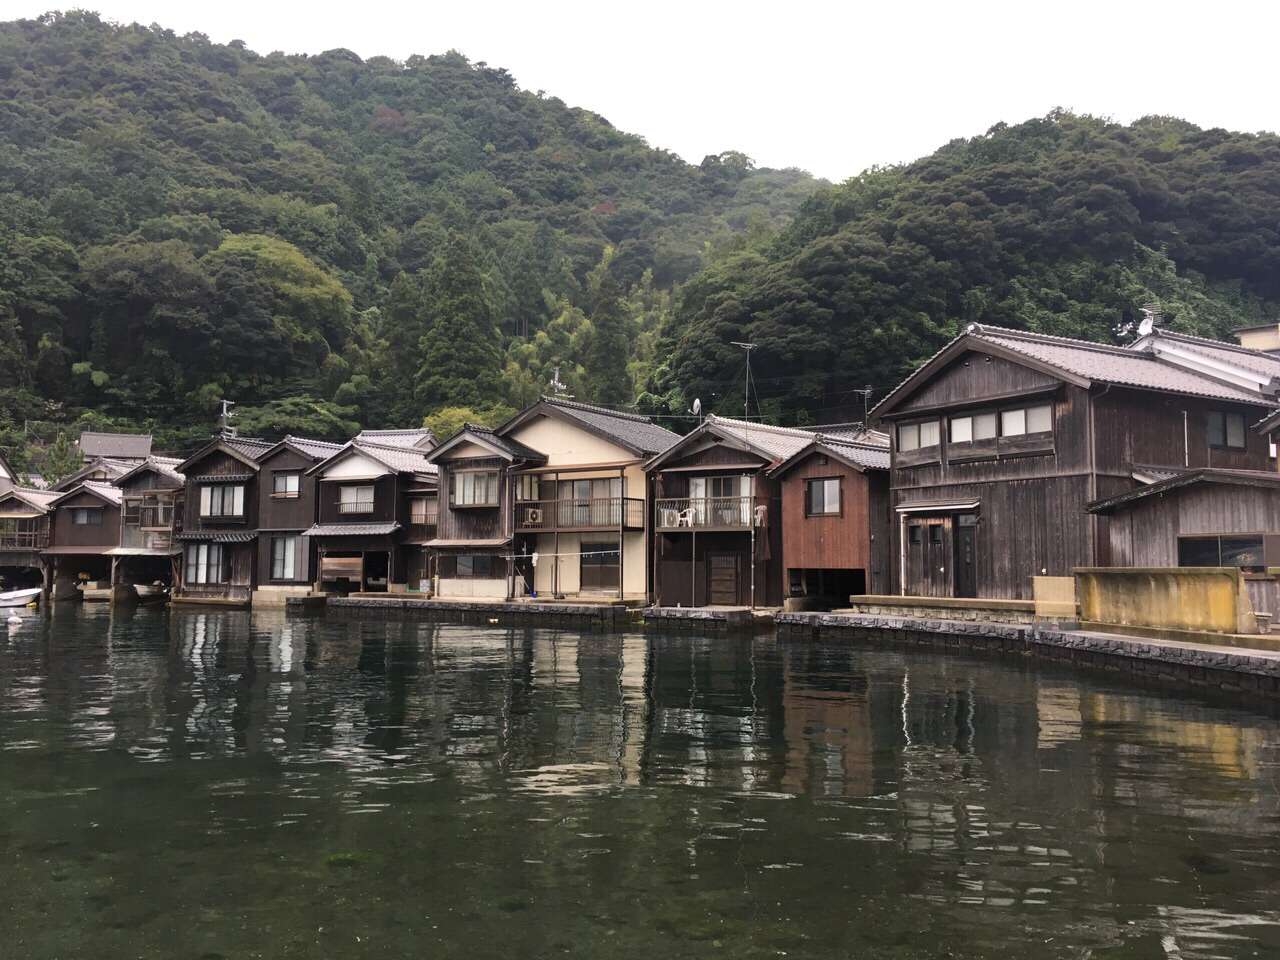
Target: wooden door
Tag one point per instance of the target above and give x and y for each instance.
(966, 559)
(929, 557)
(722, 579)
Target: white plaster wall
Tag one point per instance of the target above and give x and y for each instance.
(355, 467)
(633, 562)
(567, 445)
(467, 588)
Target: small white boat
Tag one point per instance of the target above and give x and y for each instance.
(19, 598)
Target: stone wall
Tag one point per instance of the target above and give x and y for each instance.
(968, 614)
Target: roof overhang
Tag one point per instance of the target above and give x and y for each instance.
(215, 446)
(84, 488)
(708, 428)
(965, 343)
(1241, 478)
(542, 408)
(818, 446)
(467, 436)
(939, 506)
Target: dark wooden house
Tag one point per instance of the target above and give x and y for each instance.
(145, 561)
(1002, 439)
(24, 534)
(130, 447)
(717, 537)
(84, 529)
(835, 517)
(220, 522)
(473, 544)
(287, 508)
(376, 513)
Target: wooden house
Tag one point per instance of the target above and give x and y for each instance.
(1002, 439)
(220, 522)
(146, 558)
(835, 516)
(100, 469)
(717, 537)
(84, 529)
(287, 508)
(472, 548)
(130, 447)
(376, 513)
(24, 534)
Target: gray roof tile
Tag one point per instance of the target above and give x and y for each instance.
(130, 446)
(632, 430)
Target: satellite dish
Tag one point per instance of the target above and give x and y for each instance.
(1148, 322)
(697, 407)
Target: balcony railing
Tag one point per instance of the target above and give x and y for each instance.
(710, 513)
(136, 538)
(607, 513)
(355, 506)
(23, 539)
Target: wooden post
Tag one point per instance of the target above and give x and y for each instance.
(622, 526)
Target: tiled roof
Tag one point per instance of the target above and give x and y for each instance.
(1258, 360)
(351, 529)
(219, 536)
(131, 446)
(632, 430)
(315, 449)
(778, 443)
(107, 491)
(161, 465)
(32, 496)
(250, 447)
(1118, 365)
(1252, 478)
(400, 459)
(873, 456)
(1146, 473)
(512, 448)
(110, 467)
(420, 438)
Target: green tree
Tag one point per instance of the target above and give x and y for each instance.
(61, 459)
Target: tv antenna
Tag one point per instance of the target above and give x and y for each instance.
(558, 389)
(866, 402)
(225, 430)
(746, 387)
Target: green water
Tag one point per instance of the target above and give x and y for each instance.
(204, 785)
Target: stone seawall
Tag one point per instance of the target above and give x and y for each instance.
(1210, 667)
(604, 616)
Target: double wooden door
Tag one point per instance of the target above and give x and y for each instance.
(942, 556)
(722, 579)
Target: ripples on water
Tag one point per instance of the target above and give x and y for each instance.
(186, 784)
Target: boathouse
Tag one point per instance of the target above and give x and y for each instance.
(1003, 438)
(145, 561)
(85, 528)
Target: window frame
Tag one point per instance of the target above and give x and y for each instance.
(282, 559)
(370, 500)
(809, 484)
(1226, 417)
(286, 494)
(1218, 539)
(208, 556)
(92, 516)
(457, 483)
(236, 492)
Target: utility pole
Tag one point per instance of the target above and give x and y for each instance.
(225, 430)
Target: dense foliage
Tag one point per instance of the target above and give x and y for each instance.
(329, 241)
(1067, 225)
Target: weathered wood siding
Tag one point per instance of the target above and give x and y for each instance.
(973, 376)
(834, 542)
(218, 463)
(1145, 533)
(475, 523)
(68, 534)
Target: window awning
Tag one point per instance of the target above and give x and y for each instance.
(139, 552)
(83, 551)
(352, 529)
(219, 536)
(468, 544)
(938, 506)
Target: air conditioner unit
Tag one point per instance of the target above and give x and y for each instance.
(533, 515)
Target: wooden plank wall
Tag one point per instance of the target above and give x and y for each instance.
(1146, 533)
(840, 542)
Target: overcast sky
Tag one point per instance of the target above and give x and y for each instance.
(831, 87)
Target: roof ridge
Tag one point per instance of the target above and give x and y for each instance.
(1216, 344)
(979, 328)
(597, 408)
(752, 425)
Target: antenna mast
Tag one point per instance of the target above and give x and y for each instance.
(746, 387)
(225, 430)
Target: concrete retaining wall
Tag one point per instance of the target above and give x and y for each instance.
(1205, 599)
(1208, 667)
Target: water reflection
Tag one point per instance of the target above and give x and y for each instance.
(355, 787)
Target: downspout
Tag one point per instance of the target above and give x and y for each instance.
(1093, 472)
(1186, 441)
(902, 554)
(752, 519)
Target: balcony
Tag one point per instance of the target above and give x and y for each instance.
(710, 513)
(608, 513)
(23, 539)
(134, 537)
(355, 506)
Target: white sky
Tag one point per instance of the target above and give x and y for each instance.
(831, 87)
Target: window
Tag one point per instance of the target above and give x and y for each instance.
(86, 516)
(1040, 418)
(473, 488)
(422, 511)
(1025, 420)
(822, 497)
(469, 567)
(971, 427)
(355, 499)
(918, 436)
(222, 500)
(935, 533)
(913, 534)
(286, 484)
(1226, 429)
(1244, 551)
(284, 557)
(527, 487)
(204, 564)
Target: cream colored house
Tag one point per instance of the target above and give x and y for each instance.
(553, 503)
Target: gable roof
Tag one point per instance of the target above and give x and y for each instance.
(421, 438)
(1142, 365)
(770, 443)
(106, 492)
(32, 497)
(504, 447)
(110, 467)
(161, 466)
(860, 449)
(312, 449)
(126, 446)
(245, 449)
(1249, 478)
(398, 459)
(632, 431)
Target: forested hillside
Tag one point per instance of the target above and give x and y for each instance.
(1067, 225)
(329, 241)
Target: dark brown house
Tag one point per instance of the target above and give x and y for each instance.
(717, 537)
(84, 529)
(24, 533)
(146, 559)
(1002, 439)
(835, 517)
(376, 513)
(220, 522)
(287, 508)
